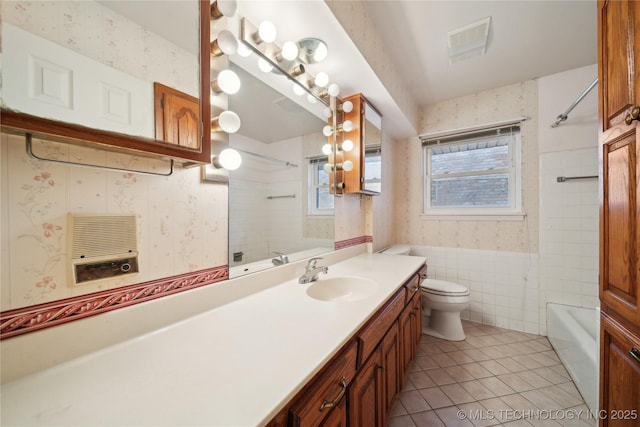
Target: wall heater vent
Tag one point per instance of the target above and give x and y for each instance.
(102, 246)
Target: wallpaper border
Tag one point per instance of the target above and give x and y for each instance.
(29, 319)
(353, 242)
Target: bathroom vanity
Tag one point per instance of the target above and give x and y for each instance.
(282, 355)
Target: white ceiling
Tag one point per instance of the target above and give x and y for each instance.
(527, 39)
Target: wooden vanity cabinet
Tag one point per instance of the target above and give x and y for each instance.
(373, 365)
(327, 389)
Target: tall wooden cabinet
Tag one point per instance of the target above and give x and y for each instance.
(619, 148)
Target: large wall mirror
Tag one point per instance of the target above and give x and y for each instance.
(95, 64)
(280, 209)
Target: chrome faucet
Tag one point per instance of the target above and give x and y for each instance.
(311, 271)
(281, 259)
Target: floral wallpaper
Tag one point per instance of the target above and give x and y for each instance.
(181, 223)
(490, 106)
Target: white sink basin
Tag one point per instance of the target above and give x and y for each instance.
(342, 289)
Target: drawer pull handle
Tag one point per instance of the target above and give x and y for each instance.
(635, 353)
(326, 404)
(416, 289)
(423, 276)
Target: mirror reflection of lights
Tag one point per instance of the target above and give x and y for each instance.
(228, 159)
(227, 121)
(264, 65)
(227, 82)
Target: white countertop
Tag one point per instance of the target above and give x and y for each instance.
(235, 365)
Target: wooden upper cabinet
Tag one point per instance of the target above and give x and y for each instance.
(618, 53)
(618, 43)
(177, 117)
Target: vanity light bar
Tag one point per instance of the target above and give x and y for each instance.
(270, 51)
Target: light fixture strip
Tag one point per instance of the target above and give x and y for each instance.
(268, 52)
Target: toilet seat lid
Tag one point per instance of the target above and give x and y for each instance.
(442, 287)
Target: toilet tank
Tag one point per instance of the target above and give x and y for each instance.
(398, 250)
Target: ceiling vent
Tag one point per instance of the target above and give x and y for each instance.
(468, 41)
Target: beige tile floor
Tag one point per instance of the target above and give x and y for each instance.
(494, 377)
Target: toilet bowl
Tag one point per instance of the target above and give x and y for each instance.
(442, 303)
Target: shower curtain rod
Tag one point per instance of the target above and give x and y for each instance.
(562, 117)
(271, 159)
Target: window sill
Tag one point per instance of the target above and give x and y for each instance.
(474, 217)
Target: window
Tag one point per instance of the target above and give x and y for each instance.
(373, 169)
(473, 174)
(320, 200)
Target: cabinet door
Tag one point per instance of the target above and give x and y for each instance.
(618, 53)
(620, 233)
(620, 375)
(417, 320)
(406, 342)
(391, 355)
(619, 92)
(366, 394)
(177, 120)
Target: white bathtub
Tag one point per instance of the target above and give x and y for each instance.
(573, 333)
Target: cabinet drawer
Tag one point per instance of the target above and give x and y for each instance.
(327, 390)
(412, 286)
(371, 334)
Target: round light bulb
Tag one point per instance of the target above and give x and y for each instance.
(312, 99)
(228, 121)
(347, 166)
(229, 159)
(347, 126)
(243, 50)
(333, 89)
(228, 81)
(267, 32)
(327, 130)
(326, 111)
(347, 106)
(347, 145)
(327, 168)
(226, 8)
(227, 42)
(320, 53)
(264, 65)
(289, 51)
(327, 149)
(322, 79)
(297, 89)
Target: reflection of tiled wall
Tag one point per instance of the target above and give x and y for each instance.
(86, 26)
(503, 285)
(182, 224)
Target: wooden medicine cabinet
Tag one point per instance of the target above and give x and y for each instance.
(366, 154)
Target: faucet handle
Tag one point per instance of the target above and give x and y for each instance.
(312, 262)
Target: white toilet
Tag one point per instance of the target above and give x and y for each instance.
(442, 303)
